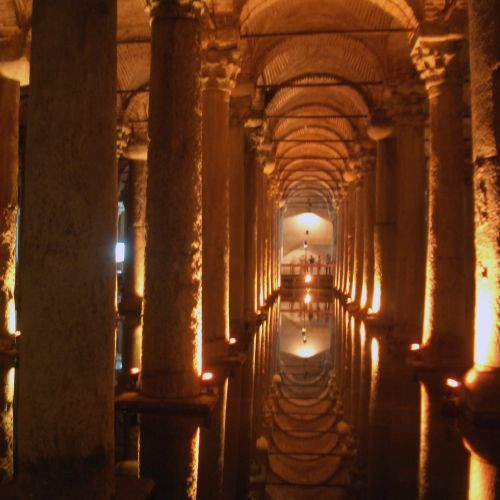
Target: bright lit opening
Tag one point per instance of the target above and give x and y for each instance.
(306, 351)
(207, 376)
(308, 219)
(415, 347)
(308, 278)
(120, 252)
(135, 371)
(232, 341)
(451, 382)
(11, 319)
(307, 298)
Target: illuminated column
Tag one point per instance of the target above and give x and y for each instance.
(483, 382)
(385, 223)
(9, 144)
(408, 112)
(171, 350)
(350, 238)
(67, 272)
(237, 200)
(219, 70)
(251, 296)
(444, 314)
(133, 272)
(258, 217)
(358, 244)
(368, 229)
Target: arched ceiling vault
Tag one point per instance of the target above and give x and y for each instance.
(320, 69)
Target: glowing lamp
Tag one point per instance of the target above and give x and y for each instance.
(207, 376)
(307, 298)
(415, 347)
(120, 252)
(308, 278)
(452, 383)
(305, 244)
(303, 331)
(232, 341)
(135, 371)
(304, 339)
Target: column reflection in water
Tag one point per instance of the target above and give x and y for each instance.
(7, 375)
(443, 467)
(169, 454)
(212, 447)
(484, 482)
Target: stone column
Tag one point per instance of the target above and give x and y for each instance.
(67, 273)
(9, 144)
(483, 382)
(368, 230)
(444, 314)
(350, 238)
(171, 348)
(250, 282)
(385, 224)
(358, 245)
(408, 112)
(219, 71)
(130, 306)
(237, 195)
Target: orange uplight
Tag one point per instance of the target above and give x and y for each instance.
(307, 298)
(364, 296)
(232, 341)
(308, 278)
(207, 376)
(415, 347)
(135, 371)
(11, 316)
(377, 296)
(451, 382)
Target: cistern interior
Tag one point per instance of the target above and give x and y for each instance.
(249, 249)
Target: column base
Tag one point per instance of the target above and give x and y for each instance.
(201, 405)
(479, 396)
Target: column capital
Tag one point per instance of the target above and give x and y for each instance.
(408, 106)
(174, 9)
(437, 59)
(220, 67)
(123, 136)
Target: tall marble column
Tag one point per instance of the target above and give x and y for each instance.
(130, 306)
(9, 137)
(409, 118)
(219, 70)
(358, 245)
(9, 144)
(385, 224)
(67, 273)
(171, 347)
(237, 193)
(437, 60)
(350, 238)
(483, 382)
(368, 230)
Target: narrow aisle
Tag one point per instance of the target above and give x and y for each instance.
(307, 449)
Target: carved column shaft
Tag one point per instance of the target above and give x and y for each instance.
(68, 272)
(219, 71)
(444, 315)
(171, 350)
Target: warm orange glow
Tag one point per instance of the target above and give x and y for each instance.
(415, 347)
(485, 324)
(207, 376)
(192, 486)
(451, 382)
(198, 361)
(377, 298)
(375, 353)
(482, 479)
(11, 318)
(308, 278)
(424, 440)
(233, 341)
(362, 335)
(307, 298)
(364, 296)
(135, 371)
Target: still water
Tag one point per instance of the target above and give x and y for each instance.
(324, 407)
